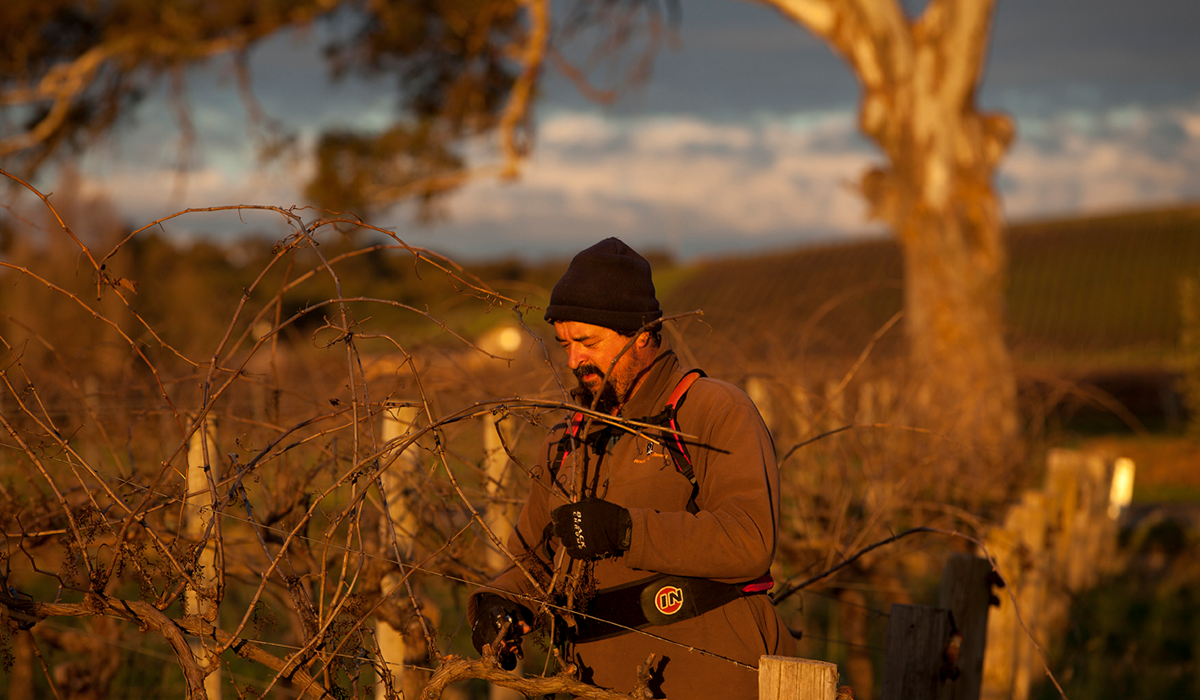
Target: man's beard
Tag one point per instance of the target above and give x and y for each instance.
(608, 401)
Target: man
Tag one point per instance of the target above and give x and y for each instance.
(619, 502)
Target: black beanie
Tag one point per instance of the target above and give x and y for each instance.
(606, 285)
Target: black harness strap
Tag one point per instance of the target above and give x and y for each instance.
(568, 441)
(673, 441)
(668, 417)
(649, 602)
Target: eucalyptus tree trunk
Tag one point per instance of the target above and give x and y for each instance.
(919, 77)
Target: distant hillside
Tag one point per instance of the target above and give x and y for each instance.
(1106, 286)
(1101, 290)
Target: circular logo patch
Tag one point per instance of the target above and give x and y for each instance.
(668, 600)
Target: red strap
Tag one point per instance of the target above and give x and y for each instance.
(576, 424)
(682, 387)
(675, 443)
(573, 432)
(762, 584)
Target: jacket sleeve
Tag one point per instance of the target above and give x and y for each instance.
(732, 537)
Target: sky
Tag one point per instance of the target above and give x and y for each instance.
(743, 140)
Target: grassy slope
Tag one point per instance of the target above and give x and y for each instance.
(1101, 290)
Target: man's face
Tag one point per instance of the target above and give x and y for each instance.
(590, 354)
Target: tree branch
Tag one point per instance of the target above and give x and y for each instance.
(872, 35)
(456, 668)
(961, 30)
(517, 110)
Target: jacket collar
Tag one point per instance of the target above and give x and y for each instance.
(659, 381)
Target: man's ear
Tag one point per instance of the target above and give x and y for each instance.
(643, 339)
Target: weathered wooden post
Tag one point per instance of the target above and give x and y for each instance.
(917, 666)
(501, 512)
(202, 473)
(393, 651)
(1055, 542)
(967, 593)
(1007, 669)
(1120, 494)
(790, 678)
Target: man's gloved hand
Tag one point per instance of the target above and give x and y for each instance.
(492, 613)
(592, 528)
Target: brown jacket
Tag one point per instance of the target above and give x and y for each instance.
(731, 539)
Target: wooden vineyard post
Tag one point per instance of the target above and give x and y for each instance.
(916, 666)
(202, 473)
(397, 483)
(501, 511)
(500, 514)
(790, 678)
(967, 593)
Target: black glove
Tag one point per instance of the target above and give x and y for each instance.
(491, 614)
(592, 528)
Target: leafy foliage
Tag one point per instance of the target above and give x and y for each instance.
(73, 68)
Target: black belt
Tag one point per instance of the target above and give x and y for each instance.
(658, 600)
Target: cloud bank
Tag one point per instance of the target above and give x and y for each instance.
(1089, 162)
(690, 185)
(694, 186)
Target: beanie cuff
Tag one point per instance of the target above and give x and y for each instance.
(621, 321)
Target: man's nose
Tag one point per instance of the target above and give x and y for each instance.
(577, 355)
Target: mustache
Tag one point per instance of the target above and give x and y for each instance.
(583, 370)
